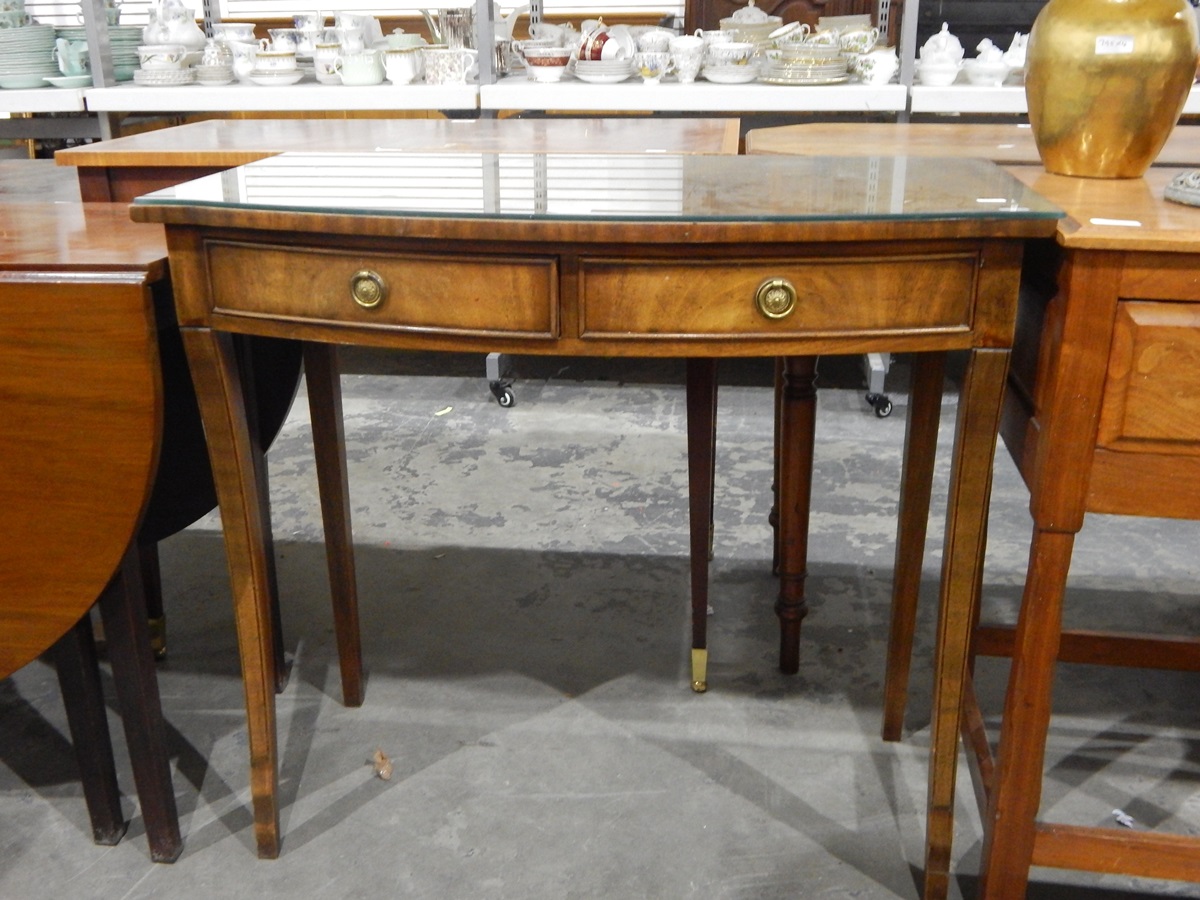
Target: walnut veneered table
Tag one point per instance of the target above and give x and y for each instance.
(698, 257)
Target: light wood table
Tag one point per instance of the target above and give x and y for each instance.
(1006, 144)
(124, 168)
(1098, 416)
(701, 266)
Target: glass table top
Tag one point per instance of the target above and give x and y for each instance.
(616, 187)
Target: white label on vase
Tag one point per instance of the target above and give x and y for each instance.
(1114, 43)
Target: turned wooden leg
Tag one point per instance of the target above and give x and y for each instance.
(701, 439)
(123, 611)
(797, 425)
(215, 372)
(79, 678)
(323, 378)
(916, 484)
(966, 533)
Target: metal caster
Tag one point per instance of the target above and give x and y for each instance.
(503, 394)
(881, 403)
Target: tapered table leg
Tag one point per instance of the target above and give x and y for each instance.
(966, 532)
(329, 444)
(87, 718)
(222, 406)
(916, 485)
(794, 450)
(702, 436)
(123, 611)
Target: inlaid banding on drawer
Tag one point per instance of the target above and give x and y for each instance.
(851, 295)
(420, 292)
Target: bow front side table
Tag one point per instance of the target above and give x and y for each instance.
(698, 257)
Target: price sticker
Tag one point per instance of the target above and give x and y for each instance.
(1107, 44)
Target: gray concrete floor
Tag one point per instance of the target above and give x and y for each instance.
(523, 581)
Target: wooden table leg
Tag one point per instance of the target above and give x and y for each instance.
(215, 372)
(87, 718)
(1013, 805)
(701, 440)
(123, 611)
(916, 485)
(966, 532)
(323, 378)
(794, 451)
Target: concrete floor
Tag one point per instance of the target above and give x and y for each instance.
(523, 581)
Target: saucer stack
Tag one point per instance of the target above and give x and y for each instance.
(27, 56)
(213, 75)
(164, 77)
(799, 67)
(603, 71)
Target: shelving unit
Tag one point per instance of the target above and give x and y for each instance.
(299, 98)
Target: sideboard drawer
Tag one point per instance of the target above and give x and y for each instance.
(832, 295)
(400, 291)
(1150, 399)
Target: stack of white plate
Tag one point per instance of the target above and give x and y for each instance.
(801, 69)
(163, 77)
(730, 74)
(27, 56)
(124, 41)
(603, 71)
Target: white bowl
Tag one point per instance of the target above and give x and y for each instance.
(986, 74)
(937, 75)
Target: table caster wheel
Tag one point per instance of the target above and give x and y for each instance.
(881, 403)
(503, 394)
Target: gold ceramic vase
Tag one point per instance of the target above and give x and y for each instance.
(1106, 81)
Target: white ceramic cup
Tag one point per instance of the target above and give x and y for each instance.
(402, 66)
(324, 57)
(360, 69)
(447, 65)
(270, 59)
(161, 56)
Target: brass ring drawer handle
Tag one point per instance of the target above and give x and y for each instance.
(368, 288)
(775, 298)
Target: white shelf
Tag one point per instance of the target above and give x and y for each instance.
(969, 98)
(42, 100)
(518, 92)
(308, 97)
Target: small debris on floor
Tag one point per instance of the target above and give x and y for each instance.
(1123, 818)
(382, 765)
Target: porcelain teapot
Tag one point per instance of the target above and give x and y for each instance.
(174, 23)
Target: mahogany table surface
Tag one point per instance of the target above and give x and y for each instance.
(77, 399)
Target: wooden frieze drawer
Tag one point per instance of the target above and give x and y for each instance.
(769, 297)
(1150, 399)
(396, 291)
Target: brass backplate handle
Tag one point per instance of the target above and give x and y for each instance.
(775, 298)
(368, 288)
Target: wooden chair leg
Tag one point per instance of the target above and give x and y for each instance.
(701, 441)
(79, 678)
(773, 518)
(322, 375)
(123, 611)
(916, 485)
(794, 452)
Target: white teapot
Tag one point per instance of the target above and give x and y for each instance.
(174, 23)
